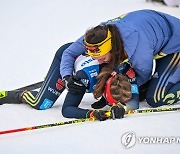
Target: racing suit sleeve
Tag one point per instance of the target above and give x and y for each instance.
(69, 56)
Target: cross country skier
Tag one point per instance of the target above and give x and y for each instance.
(139, 37)
(87, 69)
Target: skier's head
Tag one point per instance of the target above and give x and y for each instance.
(104, 43)
(115, 87)
(98, 41)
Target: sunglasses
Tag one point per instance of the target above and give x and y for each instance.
(101, 48)
(95, 48)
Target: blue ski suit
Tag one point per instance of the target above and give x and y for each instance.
(88, 69)
(145, 33)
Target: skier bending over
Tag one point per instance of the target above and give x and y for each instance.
(138, 37)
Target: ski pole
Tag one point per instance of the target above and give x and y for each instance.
(43, 126)
(151, 110)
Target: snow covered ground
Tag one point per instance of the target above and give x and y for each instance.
(30, 33)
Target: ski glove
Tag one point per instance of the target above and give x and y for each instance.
(74, 84)
(97, 115)
(117, 112)
(99, 104)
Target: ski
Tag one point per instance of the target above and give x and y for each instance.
(31, 86)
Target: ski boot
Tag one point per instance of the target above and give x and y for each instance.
(10, 97)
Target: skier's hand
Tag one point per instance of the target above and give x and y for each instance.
(74, 84)
(99, 104)
(117, 112)
(97, 115)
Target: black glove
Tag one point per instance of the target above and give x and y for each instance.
(99, 104)
(74, 84)
(97, 115)
(117, 112)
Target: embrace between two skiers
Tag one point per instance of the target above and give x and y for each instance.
(114, 61)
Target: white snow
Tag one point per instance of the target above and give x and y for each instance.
(30, 33)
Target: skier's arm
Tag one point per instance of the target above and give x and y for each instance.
(69, 56)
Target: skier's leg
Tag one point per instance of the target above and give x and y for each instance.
(165, 85)
(51, 88)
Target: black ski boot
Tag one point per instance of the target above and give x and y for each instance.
(10, 97)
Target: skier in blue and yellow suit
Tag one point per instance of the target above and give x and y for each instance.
(140, 37)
